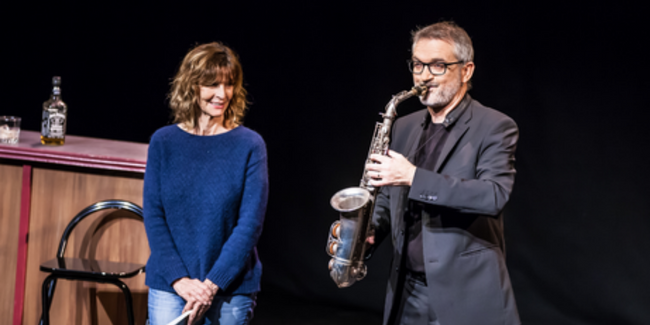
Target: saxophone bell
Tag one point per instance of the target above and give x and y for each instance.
(347, 237)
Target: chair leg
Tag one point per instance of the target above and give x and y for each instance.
(127, 299)
(47, 292)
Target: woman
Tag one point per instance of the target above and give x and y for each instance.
(205, 194)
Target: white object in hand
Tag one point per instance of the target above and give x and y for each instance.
(180, 318)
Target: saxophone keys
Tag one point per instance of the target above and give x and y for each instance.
(336, 229)
(334, 245)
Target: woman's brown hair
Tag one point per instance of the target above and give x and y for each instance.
(206, 65)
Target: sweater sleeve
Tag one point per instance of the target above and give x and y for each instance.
(240, 245)
(158, 233)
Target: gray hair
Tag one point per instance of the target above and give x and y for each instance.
(450, 32)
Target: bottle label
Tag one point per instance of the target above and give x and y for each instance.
(53, 124)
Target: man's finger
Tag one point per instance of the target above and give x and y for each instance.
(392, 153)
(377, 183)
(378, 158)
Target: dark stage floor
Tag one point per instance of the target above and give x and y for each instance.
(273, 308)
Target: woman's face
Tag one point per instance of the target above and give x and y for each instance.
(214, 99)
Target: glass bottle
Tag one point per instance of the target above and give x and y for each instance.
(55, 117)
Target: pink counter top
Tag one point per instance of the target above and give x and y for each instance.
(79, 151)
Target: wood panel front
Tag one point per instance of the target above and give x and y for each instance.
(57, 196)
(10, 186)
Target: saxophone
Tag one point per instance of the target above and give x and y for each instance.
(347, 236)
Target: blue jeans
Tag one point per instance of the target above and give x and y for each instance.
(225, 310)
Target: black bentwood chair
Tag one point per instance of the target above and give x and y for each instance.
(88, 269)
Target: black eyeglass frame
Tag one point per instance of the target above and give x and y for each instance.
(428, 65)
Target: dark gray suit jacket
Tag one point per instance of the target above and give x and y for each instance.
(462, 225)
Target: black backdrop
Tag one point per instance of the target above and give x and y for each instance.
(572, 76)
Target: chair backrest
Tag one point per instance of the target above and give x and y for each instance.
(101, 205)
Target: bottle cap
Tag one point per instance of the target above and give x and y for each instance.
(56, 81)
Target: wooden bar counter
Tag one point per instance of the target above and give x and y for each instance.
(41, 189)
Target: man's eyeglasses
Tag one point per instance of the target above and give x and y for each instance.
(436, 68)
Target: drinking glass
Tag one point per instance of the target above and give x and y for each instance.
(9, 129)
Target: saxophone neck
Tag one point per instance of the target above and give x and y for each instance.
(391, 108)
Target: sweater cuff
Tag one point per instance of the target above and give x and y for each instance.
(174, 273)
(220, 279)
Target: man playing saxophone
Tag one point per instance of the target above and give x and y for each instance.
(445, 182)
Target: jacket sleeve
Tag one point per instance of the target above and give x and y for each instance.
(163, 250)
(381, 216)
(238, 248)
(490, 190)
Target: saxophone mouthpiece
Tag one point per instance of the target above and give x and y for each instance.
(420, 89)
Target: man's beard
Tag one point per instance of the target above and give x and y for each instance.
(441, 96)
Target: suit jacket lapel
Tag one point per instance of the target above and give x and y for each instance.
(458, 128)
(455, 135)
(414, 138)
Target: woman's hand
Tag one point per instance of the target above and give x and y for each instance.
(199, 296)
(193, 290)
(213, 287)
(198, 310)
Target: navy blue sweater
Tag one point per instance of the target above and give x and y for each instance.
(204, 204)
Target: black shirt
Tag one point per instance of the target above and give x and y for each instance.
(431, 142)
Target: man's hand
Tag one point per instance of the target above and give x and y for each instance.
(393, 169)
(193, 290)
